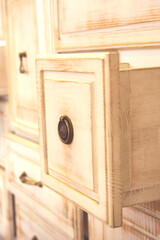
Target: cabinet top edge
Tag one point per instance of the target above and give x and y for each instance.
(73, 56)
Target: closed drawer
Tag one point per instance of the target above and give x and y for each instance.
(3, 70)
(4, 220)
(24, 180)
(32, 226)
(4, 125)
(94, 24)
(99, 127)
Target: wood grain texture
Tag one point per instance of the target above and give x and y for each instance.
(28, 31)
(23, 37)
(145, 118)
(141, 222)
(141, 172)
(131, 120)
(68, 70)
(3, 204)
(30, 224)
(47, 221)
(45, 22)
(3, 72)
(2, 20)
(23, 156)
(100, 24)
(73, 159)
(100, 231)
(6, 220)
(4, 128)
(113, 138)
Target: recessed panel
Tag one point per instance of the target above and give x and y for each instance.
(72, 97)
(97, 14)
(23, 47)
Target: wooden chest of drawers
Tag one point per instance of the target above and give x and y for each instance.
(99, 123)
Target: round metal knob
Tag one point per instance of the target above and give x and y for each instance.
(65, 130)
(34, 238)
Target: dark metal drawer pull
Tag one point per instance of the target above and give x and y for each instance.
(65, 130)
(21, 56)
(34, 238)
(27, 180)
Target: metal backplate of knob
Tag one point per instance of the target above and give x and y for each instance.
(65, 130)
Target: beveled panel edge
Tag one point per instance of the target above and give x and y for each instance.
(41, 66)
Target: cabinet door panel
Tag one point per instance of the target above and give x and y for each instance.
(98, 24)
(23, 39)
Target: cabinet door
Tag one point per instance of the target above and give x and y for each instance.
(96, 24)
(23, 47)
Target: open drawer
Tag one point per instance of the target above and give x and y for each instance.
(99, 132)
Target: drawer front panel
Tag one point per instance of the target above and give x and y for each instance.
(23, 47)
(4, 124)
(73, 87)
(67, 93)
(62, 210)
(30, 226)
(3, 205)
(96, 24)
(64, 99)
